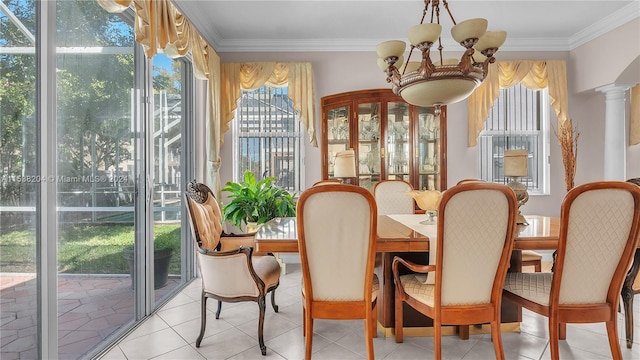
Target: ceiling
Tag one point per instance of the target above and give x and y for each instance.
(358, 25)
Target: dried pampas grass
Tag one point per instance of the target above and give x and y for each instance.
(568, 136)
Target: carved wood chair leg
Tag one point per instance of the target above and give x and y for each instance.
(219, 309)
(374, 317)
(554, 328)
(273, 300)
(262, 305)
(203, 318)
(627, 302)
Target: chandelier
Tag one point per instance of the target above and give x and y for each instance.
(428, 83)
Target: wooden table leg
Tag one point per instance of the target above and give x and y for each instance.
(627, 297)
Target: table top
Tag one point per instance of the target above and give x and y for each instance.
(281, 235)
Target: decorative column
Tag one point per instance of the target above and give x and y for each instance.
(615, 142)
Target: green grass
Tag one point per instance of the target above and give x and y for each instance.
(84, 249)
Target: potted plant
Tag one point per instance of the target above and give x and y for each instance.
(254, 201)
(164, 244)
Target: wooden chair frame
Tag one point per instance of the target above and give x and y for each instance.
(628, 291)
(458, 314)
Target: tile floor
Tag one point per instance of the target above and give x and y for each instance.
(171, 334)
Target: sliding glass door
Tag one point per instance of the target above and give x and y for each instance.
(93, 137)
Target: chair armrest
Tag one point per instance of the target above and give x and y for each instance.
(411, 266)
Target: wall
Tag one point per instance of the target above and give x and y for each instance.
(340, 72)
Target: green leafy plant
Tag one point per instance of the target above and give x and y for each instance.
(257, 201)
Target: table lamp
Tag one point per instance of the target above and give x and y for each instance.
(344, 165)
(515, 166)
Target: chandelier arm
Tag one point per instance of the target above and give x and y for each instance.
(446, 6)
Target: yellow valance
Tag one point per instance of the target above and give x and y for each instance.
(250, 76)
(634, 126)
(534, 74)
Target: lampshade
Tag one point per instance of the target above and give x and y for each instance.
(515, 163)
(344, 165)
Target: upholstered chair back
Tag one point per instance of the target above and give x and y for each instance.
(392, 198)
(204, 214)
(597, 234)
(336, 234)
(473, 242)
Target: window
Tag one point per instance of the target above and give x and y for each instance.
(267, 137)
(519, 119)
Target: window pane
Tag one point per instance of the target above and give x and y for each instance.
(95, 66)
(518, 120)
(268, 137)
(18, 183)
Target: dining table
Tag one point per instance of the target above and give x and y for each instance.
(404, 235)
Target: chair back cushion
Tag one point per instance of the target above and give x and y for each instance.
(597, 232)
(337, 234)
(475, 237)
(392, 198)
(204, 215)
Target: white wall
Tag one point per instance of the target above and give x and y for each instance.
(341, 72)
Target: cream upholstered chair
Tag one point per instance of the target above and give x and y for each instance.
(598, 237)
(392, 198)
(228, 269)
(337, 242)
(476, 227)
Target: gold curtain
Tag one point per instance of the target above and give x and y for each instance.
(159, 25)
(250, 76)
(534, 74)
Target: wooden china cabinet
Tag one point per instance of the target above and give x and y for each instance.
(391, 139)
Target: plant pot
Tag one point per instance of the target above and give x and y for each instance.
(161, 261)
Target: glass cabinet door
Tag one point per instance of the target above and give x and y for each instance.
(397, 144)
(368, 144)
(428, 149)
(337, 134)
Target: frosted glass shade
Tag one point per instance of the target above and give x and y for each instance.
(391, 48)
(491, 40)
(468, 29)
(344, 165)
(424, 33)
(515, 163)
(446, 91)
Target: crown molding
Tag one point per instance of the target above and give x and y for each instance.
(606, 24)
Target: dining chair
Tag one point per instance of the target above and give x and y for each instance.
(599, 225)
(631, 288)
(337, 243)
(228, 268)
(392, 198)
(475, 232)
